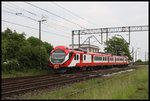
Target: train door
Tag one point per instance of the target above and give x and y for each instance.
(92, 60)
(81, 59)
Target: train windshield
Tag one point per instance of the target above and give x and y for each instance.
(58, 56)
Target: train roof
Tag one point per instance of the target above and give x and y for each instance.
(85, 51)
(101, 54)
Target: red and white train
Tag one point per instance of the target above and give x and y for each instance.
(62, 58)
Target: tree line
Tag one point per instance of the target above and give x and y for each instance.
(21, 54)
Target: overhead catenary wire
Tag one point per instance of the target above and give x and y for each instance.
(8, 8)
(19, 8)
(55, 28)
(55, 15)
(35, 28)
(74, 14)
(22, 15)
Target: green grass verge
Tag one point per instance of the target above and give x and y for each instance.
(131, 85)
(30, 72)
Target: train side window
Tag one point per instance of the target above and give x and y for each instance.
(100, 58)
(110, 59)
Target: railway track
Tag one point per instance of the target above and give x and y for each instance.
(22, 85)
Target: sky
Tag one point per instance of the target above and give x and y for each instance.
(63, 17)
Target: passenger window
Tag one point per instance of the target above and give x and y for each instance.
(103, 58)
(100, 58)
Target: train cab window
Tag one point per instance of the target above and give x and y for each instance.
(84, 57)
(77, 57)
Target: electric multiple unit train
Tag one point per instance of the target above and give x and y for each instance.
(62, 59)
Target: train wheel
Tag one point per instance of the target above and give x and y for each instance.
(63, 69)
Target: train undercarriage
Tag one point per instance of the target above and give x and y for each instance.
(85, 68)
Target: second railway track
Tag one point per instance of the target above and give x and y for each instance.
(24, 84)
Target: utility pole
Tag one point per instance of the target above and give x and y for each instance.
(136, 54)
(79, 39)
(145, 58)
(72, 39)
(106, 34)
(133, 55)
(101, 36)
(129, 35)
(40, 38)
(89, 45)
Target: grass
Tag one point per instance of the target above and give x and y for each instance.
(133, 86)
(128, 85)
(30, 72)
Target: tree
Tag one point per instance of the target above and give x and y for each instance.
(20, 54)
(139, 60)
(24, 57)
(117, 46)
(33, 41)
(48, 47)
(11, 43)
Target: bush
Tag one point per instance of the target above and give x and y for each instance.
(10, 65)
